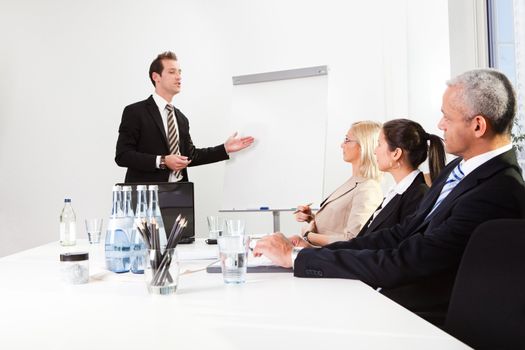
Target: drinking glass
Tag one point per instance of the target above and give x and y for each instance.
(235, 227)
(215, 226)
(94, 230)
(233, 252)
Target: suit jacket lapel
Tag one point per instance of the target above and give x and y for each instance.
(432, 195)
(385, 212)
(350, 185)
(153, 110)
(435, 190)
(485, 170)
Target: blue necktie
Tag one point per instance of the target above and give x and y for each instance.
(453, 179)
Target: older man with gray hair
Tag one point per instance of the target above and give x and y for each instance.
(415, 263)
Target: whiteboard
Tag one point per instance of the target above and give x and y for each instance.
(285, 165)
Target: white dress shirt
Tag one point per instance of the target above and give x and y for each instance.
(398, 188)
(470, 165)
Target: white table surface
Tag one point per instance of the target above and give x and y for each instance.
(269, 311)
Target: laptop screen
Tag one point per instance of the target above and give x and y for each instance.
(174, 198)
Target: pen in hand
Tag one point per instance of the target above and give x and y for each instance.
(298, 210)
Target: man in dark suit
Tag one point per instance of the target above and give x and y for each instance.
(154, 140)
(415, 262)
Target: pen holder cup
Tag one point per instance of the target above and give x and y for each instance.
(161, 271)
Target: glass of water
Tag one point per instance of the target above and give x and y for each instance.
(233, 252)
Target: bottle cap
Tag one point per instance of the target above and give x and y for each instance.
(78, 256)
(67, 200)
(141, 187)
(116, 188)
(126, 188)
(153, 187)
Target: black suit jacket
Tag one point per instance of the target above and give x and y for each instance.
(416, 261)
(398, 208)
(142, 138)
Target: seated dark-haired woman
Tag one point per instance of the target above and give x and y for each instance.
(403, 146)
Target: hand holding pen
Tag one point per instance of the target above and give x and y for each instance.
(304, 213)
(177, 162)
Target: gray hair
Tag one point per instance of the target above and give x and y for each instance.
(486, 92)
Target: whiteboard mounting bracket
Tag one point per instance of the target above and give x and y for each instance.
(280, 75)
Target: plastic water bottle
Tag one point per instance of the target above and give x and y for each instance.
(154, 213)
(68, 224)
(117, 241)
(138, 248)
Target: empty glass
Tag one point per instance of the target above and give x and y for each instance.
(94, 230)
(235, 227)
(215, 227)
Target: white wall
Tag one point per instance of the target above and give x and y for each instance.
(69, 68)
(468, 35)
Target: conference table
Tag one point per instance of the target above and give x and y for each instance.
(268, 311)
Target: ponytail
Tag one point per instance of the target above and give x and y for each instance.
(436, 155)
(417, 144)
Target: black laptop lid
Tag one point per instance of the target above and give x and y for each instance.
(174, 198)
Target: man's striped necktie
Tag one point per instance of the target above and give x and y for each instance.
(173, 137)
(453, 179)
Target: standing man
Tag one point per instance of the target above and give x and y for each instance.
(415, 263)
(154, 140)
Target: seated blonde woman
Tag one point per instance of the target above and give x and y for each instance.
(342, 215)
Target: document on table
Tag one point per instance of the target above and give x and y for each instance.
(198, 254)
(255, 265)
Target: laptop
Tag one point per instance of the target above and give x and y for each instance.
(174, 198)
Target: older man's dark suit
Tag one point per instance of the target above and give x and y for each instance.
(142, 138)
(399, 207)
(416, 261)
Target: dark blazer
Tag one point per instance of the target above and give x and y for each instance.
(142, 138)
(398, 208)
(415, 262)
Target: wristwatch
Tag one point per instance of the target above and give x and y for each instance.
(162, 164)
(305, 236)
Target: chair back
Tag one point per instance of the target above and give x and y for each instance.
(487, 305)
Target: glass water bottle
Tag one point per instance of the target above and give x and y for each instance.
(117, 241)
(68, 224)
(138, 248)
(154, 213)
